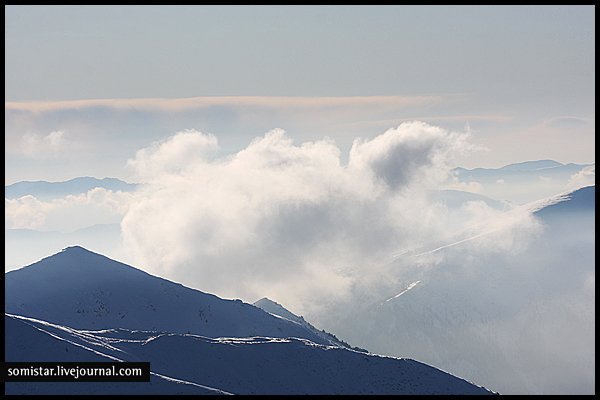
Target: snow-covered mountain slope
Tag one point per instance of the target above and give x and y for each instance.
(582, 200)
(253, 365)
(519, 321)
(85, 290)
(27, 340)
(277, 309)
(52, 190)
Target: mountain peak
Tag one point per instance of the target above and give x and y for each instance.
(76, 265)
(275, 308)
(83, 289)
(266, 300)
(76, 249)
(272, 307)
(82, 256)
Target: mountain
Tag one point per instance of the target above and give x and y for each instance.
(278, 310)
(85, 290)
(81, 306)
(192, 364)
(30, 340)
(52, 190)
(518, 322)
(521, 182)
(526, 166)
(275, 308)
(582, 200)
(26, 246)
(531, 165)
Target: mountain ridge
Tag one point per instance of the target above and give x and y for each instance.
(49, 190)
(255, 365)
(78, 305)
(109, 294)
(531, 165)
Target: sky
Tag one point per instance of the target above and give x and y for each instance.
(88, 86)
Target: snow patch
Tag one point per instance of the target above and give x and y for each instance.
(412, 285)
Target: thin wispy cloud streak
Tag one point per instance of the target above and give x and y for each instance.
(273, 102)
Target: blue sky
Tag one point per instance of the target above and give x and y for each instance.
(512, 73)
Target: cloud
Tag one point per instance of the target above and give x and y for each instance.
(292, 221)
(171, 156)
(25, 212)
(566, 122)
(107, 132)
(35, 145)
(412, 151)
(184, 104)
(585, 177)
(97, 206)
(471, 186)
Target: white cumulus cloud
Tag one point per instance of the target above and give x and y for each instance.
(286, 220)
(173, 155)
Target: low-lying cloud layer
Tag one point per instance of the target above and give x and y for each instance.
(97, 206)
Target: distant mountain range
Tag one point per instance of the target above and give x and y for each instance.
(526, 166)
(79, 305)
(51, 190)
(521, 182)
